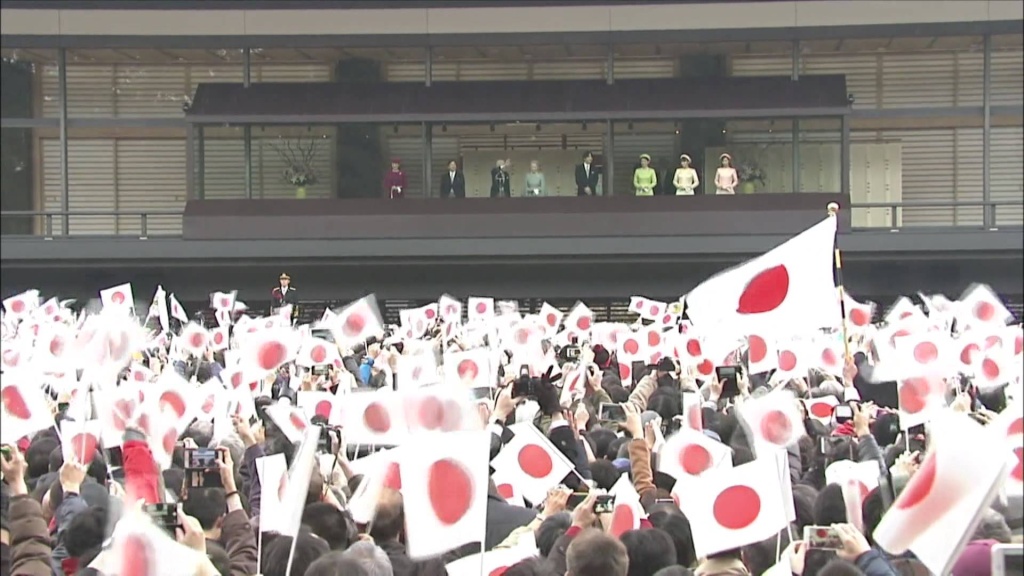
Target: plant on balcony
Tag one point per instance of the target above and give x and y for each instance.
(749, 173)
(298, 158)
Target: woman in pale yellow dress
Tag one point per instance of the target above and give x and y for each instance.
(685, 179)
(726, 178)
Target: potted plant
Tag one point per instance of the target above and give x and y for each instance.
(298, 160)
(750, 174)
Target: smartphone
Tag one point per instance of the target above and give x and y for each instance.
(603, 504)
(638, 370)
(63, 406)
(6, 452)
(728, 377)
(201, 467)
(325, 443)
(321, 370)
(115, 459)
(822, 537)
(842, 413)
(611, 412)
(165, 516)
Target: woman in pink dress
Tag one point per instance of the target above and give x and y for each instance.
(726, 179)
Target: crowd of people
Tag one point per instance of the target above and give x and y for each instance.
(472, 439)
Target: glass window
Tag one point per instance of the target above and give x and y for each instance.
(142, 83)
(555, 148)
(29, 82)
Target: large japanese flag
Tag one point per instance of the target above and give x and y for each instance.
(937, 512)
(531, 462)
(732, 507)
(444, 484)
(790, 288)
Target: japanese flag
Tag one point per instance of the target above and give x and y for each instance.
(469, 369)
(691, 453)
(444, 481)
(858, 315)
(627, 513)
(772, 421)
(439, 409)
(291, 420)
(480, 309)
(22, 305)
(937, 512)
(374, 418)
(533, 463)
(273, 476)
(450, 309)
(821, 408)
(737, 506)
(647, 308)
(177, 310)
(580, 320)
(980, 306)
(1008, 430)
(920, 400)
(417, 369)
(320, 403)
(357, 322)
(550, 318)
(265, 351)
(26, 408)
(194, 339)
(118, 297)
(316, 352)
(791, 287)
(506, 487)
(223, 300)
(79, 440)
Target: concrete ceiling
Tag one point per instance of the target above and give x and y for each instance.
(509, 53)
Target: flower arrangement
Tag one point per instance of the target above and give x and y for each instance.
(751, 172)
(298, 159)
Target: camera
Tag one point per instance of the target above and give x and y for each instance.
(569, 353)
(324, 443)
(524, 386)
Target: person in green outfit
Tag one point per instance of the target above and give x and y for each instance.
(645, 179)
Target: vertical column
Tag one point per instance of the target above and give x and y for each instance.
(607, 186)
(200, 164)
(428, 159)
(190, 161)
(796, 121)
(844, 156)
(247, 129)
(360, 146)
(65, 188)
(428, 66)
(609, 67)
(986, 135)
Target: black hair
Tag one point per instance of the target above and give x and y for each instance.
(207, 505)
(839, 567)
(308, 548)
(674, 523)
(335, 526)
(550, 530)
(600, 439)
(604, 474)
(804, 497)
(760, 556)
(830, 507)
(38, 456)
(648, 551)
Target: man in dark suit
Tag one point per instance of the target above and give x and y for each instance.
(453, 182)
(586, 176)
(284, 294)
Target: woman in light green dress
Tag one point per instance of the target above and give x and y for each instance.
(535, 185)
(645, 178)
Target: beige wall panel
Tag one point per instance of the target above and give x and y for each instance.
(29, 22)
(270, 22)
(865, 12)
(703, 16)
(1005, 9)
(153, 22)
(550, 19)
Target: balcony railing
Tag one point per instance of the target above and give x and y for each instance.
(168, 224)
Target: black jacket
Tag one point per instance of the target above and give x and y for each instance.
(453, 188)
(501, 183)
(582, 181)
(291, 296)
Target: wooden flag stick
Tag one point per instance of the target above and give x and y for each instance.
(833, 210)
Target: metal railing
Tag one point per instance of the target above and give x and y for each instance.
(143, 224)
(976, 214)
(51, 223)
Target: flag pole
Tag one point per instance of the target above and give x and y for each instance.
(833, 210)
